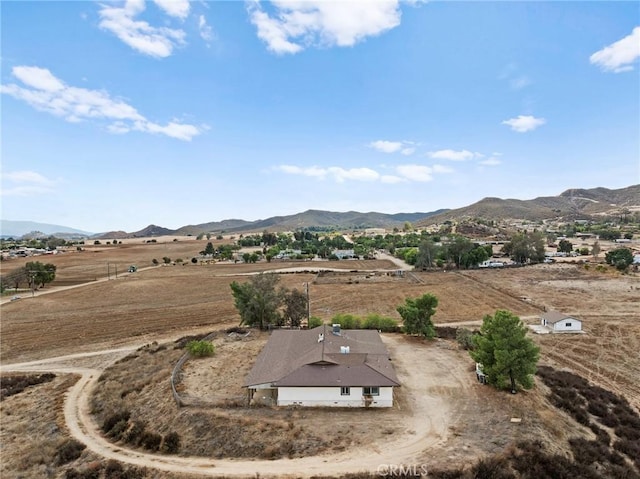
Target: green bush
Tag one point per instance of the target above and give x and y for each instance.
(381, 323)
(346, 321)
(464, 337)
(200, 348)
(314, 322)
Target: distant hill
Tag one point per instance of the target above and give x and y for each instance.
(307, 219)
(570, 205)
(16, 229)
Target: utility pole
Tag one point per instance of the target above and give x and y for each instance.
(308, 303)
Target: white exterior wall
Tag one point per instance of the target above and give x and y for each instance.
(576, 325)
(330, 396)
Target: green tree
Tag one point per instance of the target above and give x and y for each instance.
(427, 253)
(416, 315)
(619, 257)
(258, 300)
(507, 355)
(39, 273)
(525, 247)
(565, 246)
(295, 307)
(209, 250)
(166, 259)
(458, 248)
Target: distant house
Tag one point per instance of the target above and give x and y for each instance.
(344, 253)
(323, 366)
(558, 322)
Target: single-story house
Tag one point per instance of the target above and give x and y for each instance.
(560, 322)
(323, 366)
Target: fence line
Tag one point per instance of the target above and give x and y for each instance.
(176, 375)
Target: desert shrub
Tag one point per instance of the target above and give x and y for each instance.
(200, 348)
(610, 420)
(171, 444)
(118, 430)
(237, 330)
(12, 385)
(588, 452)
(314, 322)
(597, 408)
(464, 337)
(630, 448)
(183, 341)
(134, 434)
(68, 450)
(113, 469)
(624, 431)
(601, 435)
(110, 422)
(150, 440)
(495, 467)
(446, 332)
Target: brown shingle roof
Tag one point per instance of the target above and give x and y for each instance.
(552, 317)
(296, 358)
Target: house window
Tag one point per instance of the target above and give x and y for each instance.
(568, 325)
(371, 391)
(345, 391)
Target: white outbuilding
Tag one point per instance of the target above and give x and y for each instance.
(559, 322)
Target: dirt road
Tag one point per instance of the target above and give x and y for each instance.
(432, 377)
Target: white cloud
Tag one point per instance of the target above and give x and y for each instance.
(402, 173)
(619, 56)
(357, 174)
(175, 8)
(49, 94)
(206, 33)
(386, 146)
(442, 169)
(419, 173)
(296, 25)
(453, 155)
(524, 123)
(493, 161)
(157, 42)
(408, 151)
(404, 147)
(25, 183)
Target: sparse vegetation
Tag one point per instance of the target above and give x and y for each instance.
(10, 385)
(200, 348)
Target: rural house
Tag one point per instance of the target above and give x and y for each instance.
(323, 366)
(559, 322)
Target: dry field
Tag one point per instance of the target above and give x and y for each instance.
(161, 303)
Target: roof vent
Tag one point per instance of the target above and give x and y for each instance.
(320, 337)
(344, 349)
(336, 329)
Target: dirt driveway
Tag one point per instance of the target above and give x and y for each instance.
(432, 377)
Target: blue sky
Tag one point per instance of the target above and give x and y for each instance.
(116, 115)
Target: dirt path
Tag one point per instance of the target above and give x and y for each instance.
(397, 261)
(432, 376)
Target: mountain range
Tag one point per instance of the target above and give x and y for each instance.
(570, 205)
